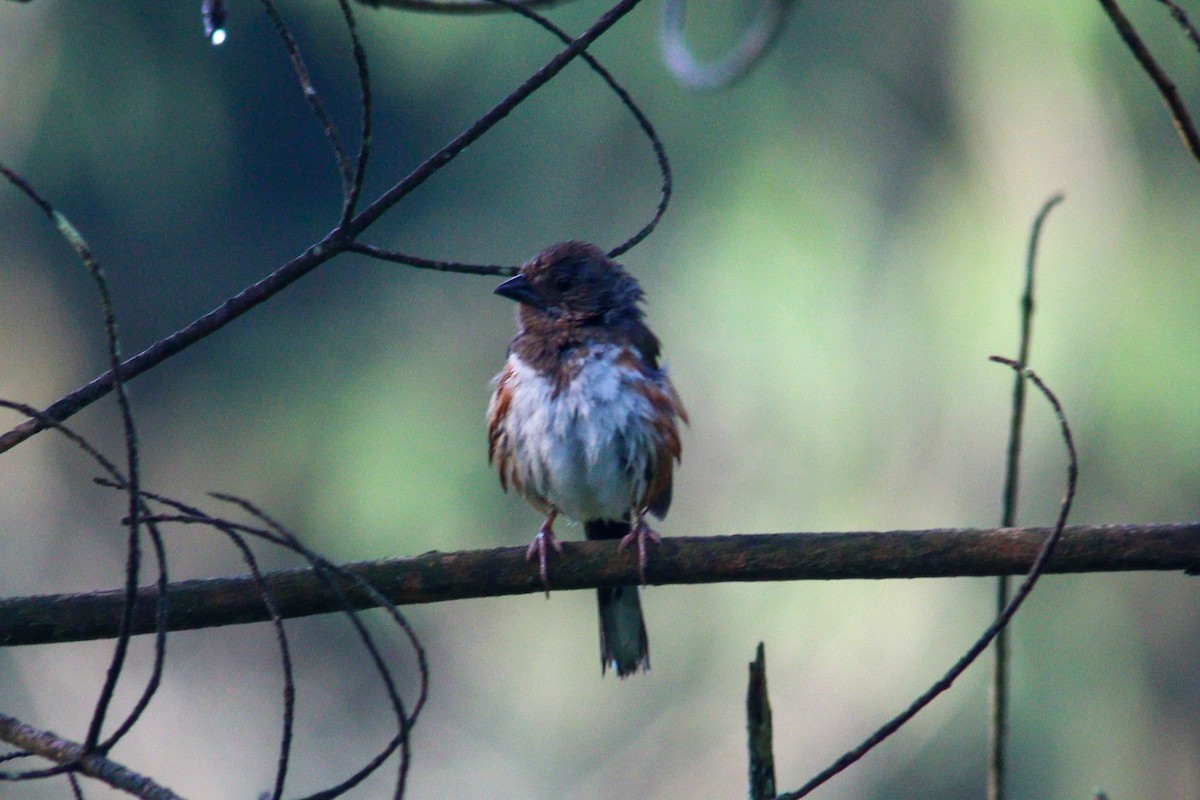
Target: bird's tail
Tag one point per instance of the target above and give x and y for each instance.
(623, 642)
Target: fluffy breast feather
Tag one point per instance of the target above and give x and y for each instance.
(595, 445)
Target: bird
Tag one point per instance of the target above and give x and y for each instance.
(583, 421)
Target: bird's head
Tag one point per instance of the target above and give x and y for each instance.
(576, 284)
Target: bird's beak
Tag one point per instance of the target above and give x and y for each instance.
(520, 289)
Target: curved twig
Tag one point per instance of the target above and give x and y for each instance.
(660, 155)
(285, 655)
(326, 572)
(460, 7)
(331, 578)
(128, 595)
(643, 122)
(1181, 18)
(131, 480)
(310, 94)
(1035, 572)
(123, 598)
(754, 43)
(333, 244)
(1175, 104)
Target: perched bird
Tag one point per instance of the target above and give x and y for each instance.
(583, 420)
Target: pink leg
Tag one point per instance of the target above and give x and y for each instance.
(540, 547)
(640, 533)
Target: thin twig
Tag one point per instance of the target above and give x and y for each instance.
(660, 152)
(1180, 17)
(119, 611)
(65, 752)
(366, 106)
(488, 120)
(1179, 112)
(458, 7)
(322, 569)
(436, 577)
(430, 263)
(643, 122)
(327, 573)
(331, 245)
(160, 642)
(132, 477)
(1013, 461)
(311, 96)
(331, 579)
(1035, 572)
(998, 724)
(285, 656)
(118, 481)
(133, 555)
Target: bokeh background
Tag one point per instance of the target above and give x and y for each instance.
(844, 250)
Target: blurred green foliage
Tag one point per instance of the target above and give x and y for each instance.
(844, 250)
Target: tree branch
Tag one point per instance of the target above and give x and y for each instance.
(332, 244)
(1168, 90)
(64, 752)
(997, 785)
(465, 7)
(435, 577)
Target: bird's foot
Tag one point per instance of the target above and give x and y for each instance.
(641, 533)
(540, 548)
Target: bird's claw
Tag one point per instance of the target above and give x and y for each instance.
(641, 533)
(540, 548)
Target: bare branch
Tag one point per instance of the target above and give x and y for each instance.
(660, 155)
(455, 6)
(430, 263)
(998, 722)
(333, 244)
(660, 152)
(1179, 112)
(1181, 17)
(488, 120)
(83, 251)
(310, 94)
(64, 752)
(366, 104)
(1044, 554)
(435, 577)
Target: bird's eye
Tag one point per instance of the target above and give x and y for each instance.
(563, 281)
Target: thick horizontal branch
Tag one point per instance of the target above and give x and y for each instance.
(434, 577)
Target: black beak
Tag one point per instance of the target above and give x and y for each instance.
(520, 289)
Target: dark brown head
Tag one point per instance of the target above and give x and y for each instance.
(574, 284)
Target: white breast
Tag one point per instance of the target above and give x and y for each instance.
(586, 448)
